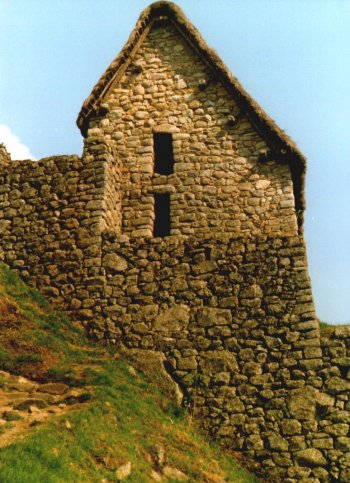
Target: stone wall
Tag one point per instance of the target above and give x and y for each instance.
(222, 180)
(235, 322)
(49, 226)
(232, 317)
(334, 420)
(4, 155)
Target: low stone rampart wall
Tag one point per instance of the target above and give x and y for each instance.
(50, 224)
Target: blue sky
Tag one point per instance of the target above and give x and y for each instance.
(292, 56)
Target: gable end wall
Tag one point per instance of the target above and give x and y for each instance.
(220, 183)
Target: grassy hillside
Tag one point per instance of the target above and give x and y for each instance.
(118, 422)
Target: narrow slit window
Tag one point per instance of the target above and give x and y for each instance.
(161, 214)
(163, 153)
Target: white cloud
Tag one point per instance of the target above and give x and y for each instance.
(13, 144)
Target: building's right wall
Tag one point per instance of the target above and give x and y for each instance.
(235, 323)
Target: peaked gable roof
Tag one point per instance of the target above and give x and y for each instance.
(282, 146)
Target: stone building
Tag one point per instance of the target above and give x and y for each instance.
(177, 235)
(193, 153)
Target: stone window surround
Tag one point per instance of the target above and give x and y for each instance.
(162, 182)
(163, 153)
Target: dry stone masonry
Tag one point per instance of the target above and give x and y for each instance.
(218, 182)
(178, 233)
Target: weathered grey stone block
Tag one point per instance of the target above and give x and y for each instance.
(337, 385)
(173, 319)
(290, 427)
(217, 361)
(310, 457)
(302, 403)
(115, 263)
(209, 316)
(277, 442)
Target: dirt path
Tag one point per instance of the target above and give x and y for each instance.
(25, 404)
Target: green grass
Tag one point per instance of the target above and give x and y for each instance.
(33, 337)
(124, 422)
(324, 326)
(123, 419)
